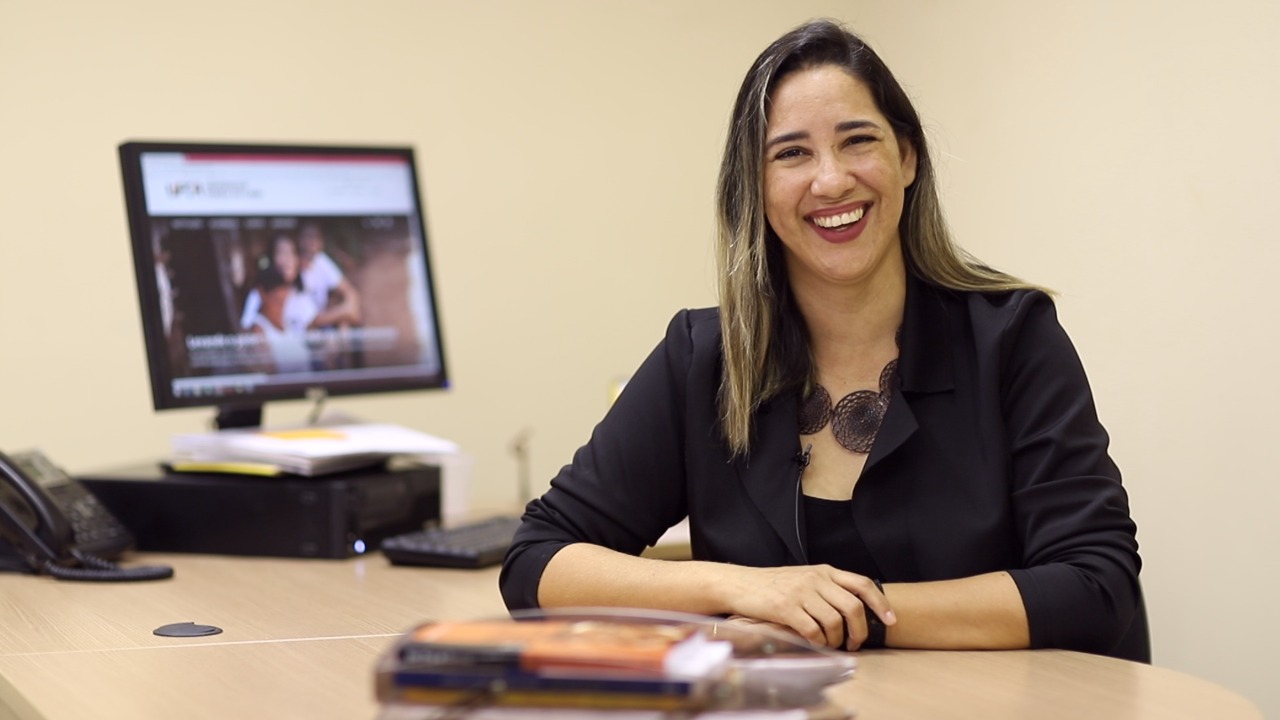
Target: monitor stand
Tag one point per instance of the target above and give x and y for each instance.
(238, 416)
(250, 416)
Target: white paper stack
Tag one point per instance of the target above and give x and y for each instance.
(306, 450)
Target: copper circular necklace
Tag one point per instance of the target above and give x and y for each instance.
(856, 419)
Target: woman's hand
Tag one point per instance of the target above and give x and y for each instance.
(818, 602)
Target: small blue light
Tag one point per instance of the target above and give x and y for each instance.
(358, 547)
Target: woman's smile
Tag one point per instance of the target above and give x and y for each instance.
(839, 225)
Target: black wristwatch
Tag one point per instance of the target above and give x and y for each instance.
(875, 627)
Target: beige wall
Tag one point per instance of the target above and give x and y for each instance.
(1122, 152)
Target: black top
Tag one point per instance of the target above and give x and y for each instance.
(832, 537)
(990, 458)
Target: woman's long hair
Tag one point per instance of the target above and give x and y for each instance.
(766, 349)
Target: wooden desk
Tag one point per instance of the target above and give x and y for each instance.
(251, 599)
(301, 636)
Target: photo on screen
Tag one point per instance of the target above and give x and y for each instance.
(290, 295)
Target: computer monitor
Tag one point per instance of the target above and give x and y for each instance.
(270, 272)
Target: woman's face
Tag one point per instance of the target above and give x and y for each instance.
(285, 257)
(834, 179)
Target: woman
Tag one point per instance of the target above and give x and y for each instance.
(285, 352)
(299, 311)
(877, 440)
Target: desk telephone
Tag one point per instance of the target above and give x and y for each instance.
(52, 524)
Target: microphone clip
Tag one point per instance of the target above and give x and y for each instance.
(802, 457)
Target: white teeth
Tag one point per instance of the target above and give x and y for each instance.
(832, 221)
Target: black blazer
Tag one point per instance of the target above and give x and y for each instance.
(990, 457)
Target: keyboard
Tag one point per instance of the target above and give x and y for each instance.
(476, 544)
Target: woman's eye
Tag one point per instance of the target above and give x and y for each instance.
(789, 153)
(859, 139)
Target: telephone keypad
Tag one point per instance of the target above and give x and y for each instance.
(90, 521)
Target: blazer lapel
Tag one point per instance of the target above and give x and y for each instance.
(898, 425)
(926, 357)
(924, 364)
(771, 473)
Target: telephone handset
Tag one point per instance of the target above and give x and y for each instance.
(56, 526)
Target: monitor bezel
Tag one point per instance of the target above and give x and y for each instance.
(158, 362)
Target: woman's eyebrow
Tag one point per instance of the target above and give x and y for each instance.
(841, 127)
(787, 137)
(848, 125)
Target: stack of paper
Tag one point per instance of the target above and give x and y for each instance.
(310, 450)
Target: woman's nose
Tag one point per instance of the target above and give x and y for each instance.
(832, 178)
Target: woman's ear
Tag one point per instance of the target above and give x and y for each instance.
(907, 153)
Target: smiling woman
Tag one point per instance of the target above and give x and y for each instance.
(834, 179)
(958, 494)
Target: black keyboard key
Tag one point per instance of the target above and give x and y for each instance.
(474, 545)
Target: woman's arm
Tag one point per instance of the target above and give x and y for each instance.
(1076, 585)
(818, 602)
(1079, 577)
(983, 612)
(346, 311)
(978, 613)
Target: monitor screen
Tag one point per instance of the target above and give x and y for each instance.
(275, 272)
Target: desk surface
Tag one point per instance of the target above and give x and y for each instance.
(301, 636)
